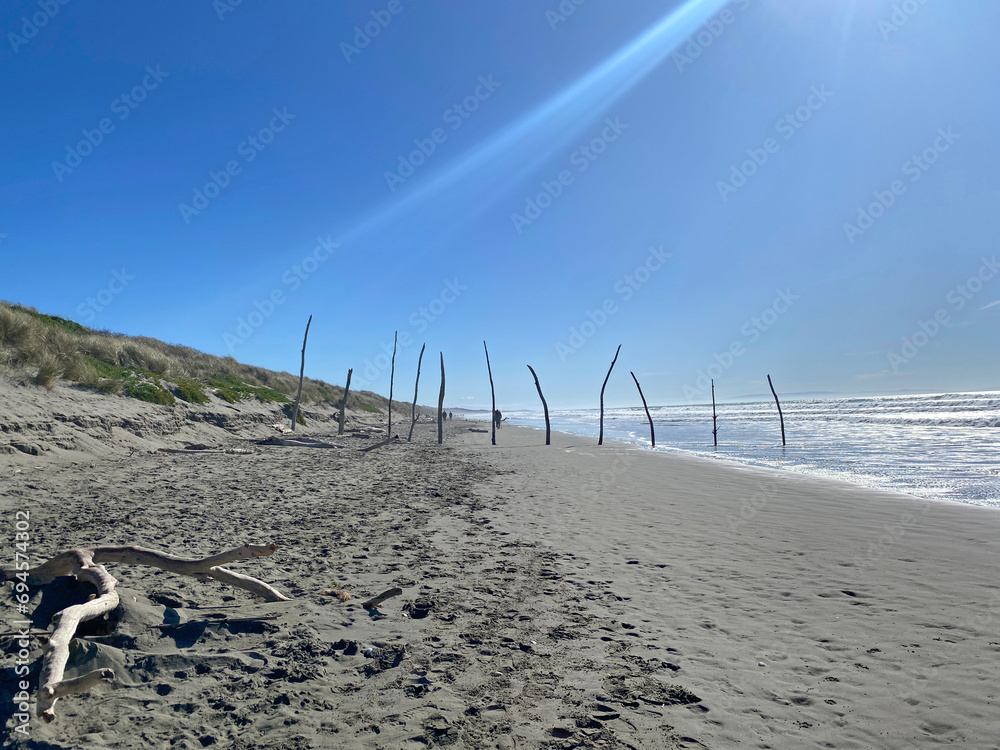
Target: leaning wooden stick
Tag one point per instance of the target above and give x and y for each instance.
(88, 564)
(343, 404)
(715, 422)
(441, 405)
(780, 415)
(302, 374)
(600, 439)
(493, 396)
(416, 386)
(545, 407)
(392, 377)
(652, 434)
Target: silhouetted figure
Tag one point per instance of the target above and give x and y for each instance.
(497, 419)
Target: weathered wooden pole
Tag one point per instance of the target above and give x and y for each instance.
(441, 405)
(652, 434)
(780, 415)
(302, 374)
(493, 396)
(392, 377)
(715, 425)
(343, 404)
(600, 439)
(545, 407)
(416, 385)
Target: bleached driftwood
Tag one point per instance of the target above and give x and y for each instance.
(87, 564)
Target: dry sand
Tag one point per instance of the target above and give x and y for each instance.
(562, 596)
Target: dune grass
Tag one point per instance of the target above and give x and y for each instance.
(49, 348)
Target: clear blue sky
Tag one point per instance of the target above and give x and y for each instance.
(634, 115)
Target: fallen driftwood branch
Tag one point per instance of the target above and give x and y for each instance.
(381, 444)
(473, 429)
(199, 451)
(297, 442)
(302, 374)
(87, 564)
(375, 601)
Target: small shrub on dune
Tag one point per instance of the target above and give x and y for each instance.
(49, 370)
(147, 390)
(190, 391)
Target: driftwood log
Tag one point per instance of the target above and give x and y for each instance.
(493, 397)
(715, 419)
(441, 405)
(780, 415)
(545, 407)
(302, 374)
(343, 405)
(600, 439)
(87, 564)
(392, 378)
(652, 432)
(416, 386)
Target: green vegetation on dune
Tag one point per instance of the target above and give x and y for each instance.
(48, 349)
(232, 389)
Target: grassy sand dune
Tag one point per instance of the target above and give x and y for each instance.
(49, 348)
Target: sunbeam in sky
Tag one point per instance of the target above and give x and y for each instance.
(505, 157)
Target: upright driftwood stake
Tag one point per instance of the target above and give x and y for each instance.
(343, 404)
(441, 405)
(302, 374)
(652, 434)
(392, 376)
(545, 406)
(416, 385)
(600, 439)
(715, 423)
(780, 415)
(493, 396)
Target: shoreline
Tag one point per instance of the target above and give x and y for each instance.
(735, 461)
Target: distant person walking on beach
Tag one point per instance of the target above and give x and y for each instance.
(497, 419)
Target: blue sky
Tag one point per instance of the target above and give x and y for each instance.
(725, 189)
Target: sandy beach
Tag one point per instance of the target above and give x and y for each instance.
(561, 596)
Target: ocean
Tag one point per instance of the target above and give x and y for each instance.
(938, 446)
